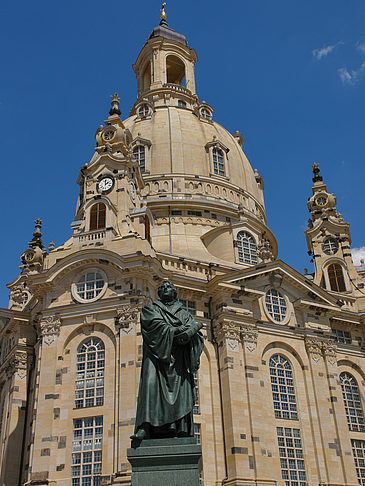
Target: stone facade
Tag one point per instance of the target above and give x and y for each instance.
(170, 194)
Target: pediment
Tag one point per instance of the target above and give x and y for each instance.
(254, 282)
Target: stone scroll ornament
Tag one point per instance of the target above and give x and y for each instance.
(172, 345)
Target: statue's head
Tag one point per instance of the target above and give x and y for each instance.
(167, 291)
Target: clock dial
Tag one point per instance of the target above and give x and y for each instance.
(321, 200)
(105, 184)
(108, 135)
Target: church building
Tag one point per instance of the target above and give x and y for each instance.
(170, 194)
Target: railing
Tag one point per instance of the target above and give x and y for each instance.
(91, 236)
(178, 87)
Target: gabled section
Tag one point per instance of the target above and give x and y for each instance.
(277, 295)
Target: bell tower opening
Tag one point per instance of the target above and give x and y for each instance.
(175, 69)
(147, 77)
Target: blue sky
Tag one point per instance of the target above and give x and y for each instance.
(290, 75)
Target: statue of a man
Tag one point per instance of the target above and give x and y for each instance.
(172, 345)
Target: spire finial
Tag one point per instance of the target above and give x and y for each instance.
(316, 176)
(36, 240)
(163, 13)
(115, 105)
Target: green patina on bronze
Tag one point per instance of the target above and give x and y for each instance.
(172, 345)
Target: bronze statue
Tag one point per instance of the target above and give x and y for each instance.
(172, 345)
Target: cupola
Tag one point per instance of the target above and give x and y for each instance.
(165, 60)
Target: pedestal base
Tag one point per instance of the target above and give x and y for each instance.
(172, 462)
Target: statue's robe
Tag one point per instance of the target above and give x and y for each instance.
(166, 389)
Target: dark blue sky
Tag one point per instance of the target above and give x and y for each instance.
(289, 75)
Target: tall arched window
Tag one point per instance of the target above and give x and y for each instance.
(351, 398)
(139, 156)
(246, 246)
(175, 70)
(218, 161)
(336, 279)
(282, 387)
(97, 216)
(90, 373)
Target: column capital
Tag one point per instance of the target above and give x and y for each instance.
(249, 335)
(19, 363)
(126, 318)
(227, 333)
(49, 328)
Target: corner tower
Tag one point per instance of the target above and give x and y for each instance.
(329, 243)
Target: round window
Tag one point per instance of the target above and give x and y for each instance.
(143, 111)
(330, 246)
(89, 286)
(275, 305)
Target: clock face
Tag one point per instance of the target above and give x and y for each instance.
(108, 135)
(105, 184)
(321, 200)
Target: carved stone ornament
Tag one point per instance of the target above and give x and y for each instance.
(264, 251)
(314, 350)
(249, 334)
(329, 349)
(228, 333)
(19, 363)
(49, 329)
(126, 319)
(318, 348)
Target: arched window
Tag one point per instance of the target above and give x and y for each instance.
(282, 387)
(336, 279)
(246, 246)
(97, 216)
(90, 373)
(139, 156)
(351, 398)
(175, 70)
(218, 161)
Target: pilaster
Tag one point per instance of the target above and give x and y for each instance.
(45, 440)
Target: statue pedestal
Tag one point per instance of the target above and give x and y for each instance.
(172, 462)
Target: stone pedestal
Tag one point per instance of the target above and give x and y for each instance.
(172, 462)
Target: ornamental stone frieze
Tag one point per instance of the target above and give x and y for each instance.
(227, 333)
(19, 363)
(49, 328)
(249, 334)
(126, 319)
(321, 348)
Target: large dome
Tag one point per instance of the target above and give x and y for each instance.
(180, 144)
(202, 196)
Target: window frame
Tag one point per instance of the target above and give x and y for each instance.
(236, 245)
(97, 372)
(217, 145)
(281, 385)
(78, 453)
(287, 302)
(325, 269)
(77, 279)
(353, 426)
(139, 148)
(96, 205)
